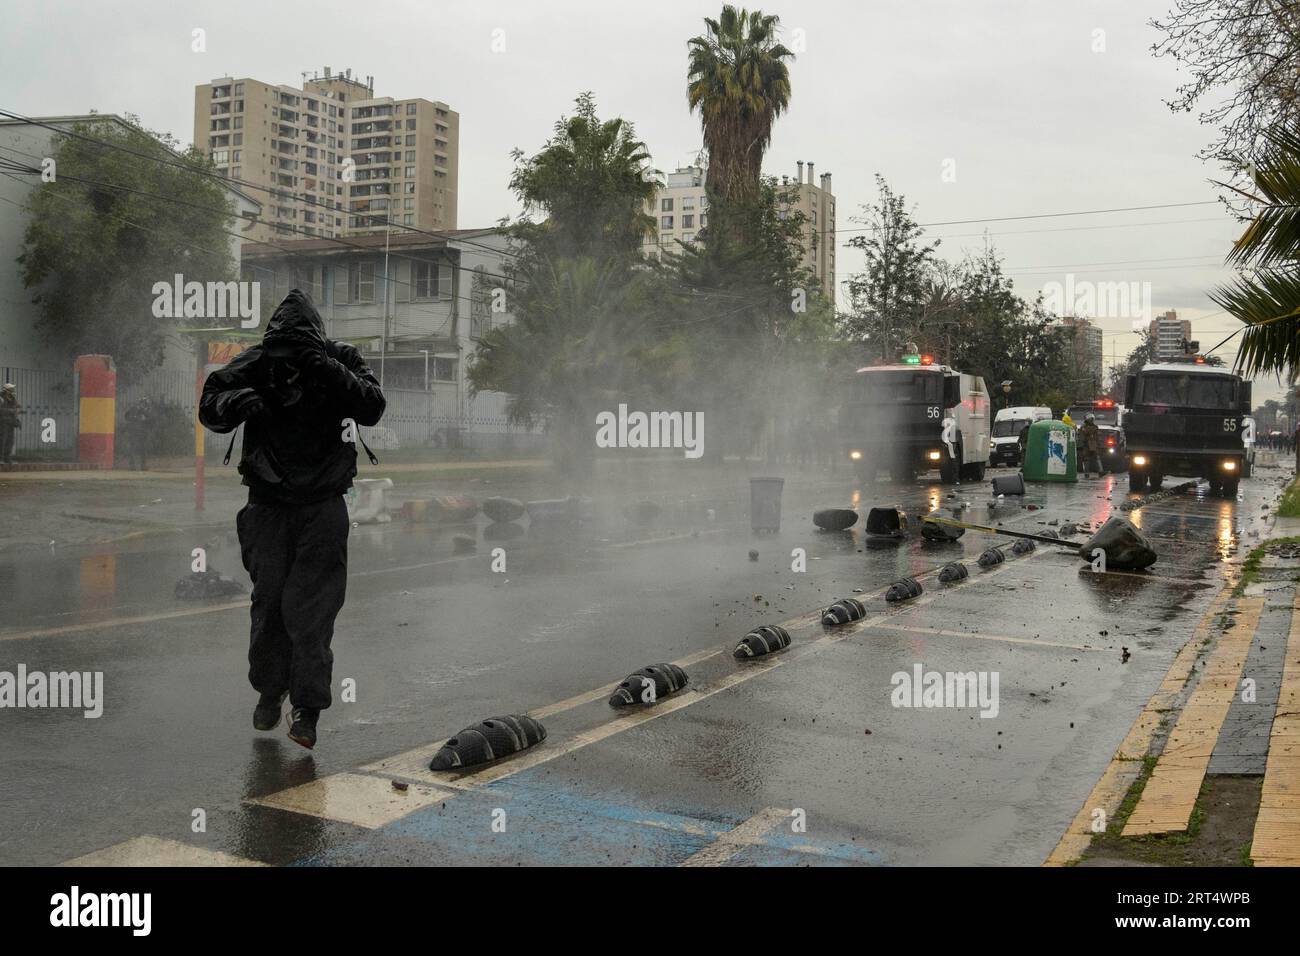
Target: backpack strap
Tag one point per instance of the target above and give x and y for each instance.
(230, 447)
(371, 454)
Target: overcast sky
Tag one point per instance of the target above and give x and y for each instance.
(1012, 92)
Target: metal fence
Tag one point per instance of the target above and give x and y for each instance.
(45, 395)
(164, 386)
(414, 418)
(432, 419)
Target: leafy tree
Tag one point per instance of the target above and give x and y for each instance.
(108, 227)
(1002, 337)
(748, 314)
(1244, 60)
(740, 83)
(889, 296)
(582, 303)
(1140, 356)
(591, 183)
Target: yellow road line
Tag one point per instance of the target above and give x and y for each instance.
(1126, 765)
(1277, 828)
(1170, 795)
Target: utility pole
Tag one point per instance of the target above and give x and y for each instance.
(383, 338)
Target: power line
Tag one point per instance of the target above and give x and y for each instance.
(227, 180)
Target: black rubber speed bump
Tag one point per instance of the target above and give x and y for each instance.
(488, 740)
(904, 589)
(835, 519)
(844, 611)
(762, 640)
(1023, 546)
(503, 509)
(648, 685)
(953, 572)
(991, 557)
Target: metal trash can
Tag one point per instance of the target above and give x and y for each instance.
(765, 503)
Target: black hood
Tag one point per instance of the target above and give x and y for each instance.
(295, 325)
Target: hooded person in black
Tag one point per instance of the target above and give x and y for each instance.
(294, 395)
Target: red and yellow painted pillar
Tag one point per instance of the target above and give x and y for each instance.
(98, 398)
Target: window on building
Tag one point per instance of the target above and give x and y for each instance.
(410, 172)
(410, 155)
(361, 281)
(688, 202)
(430, 280)
(239, 89)
(665, 205)
(688, 222)
(666, 222)
(409, 187)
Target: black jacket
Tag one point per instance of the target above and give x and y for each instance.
(294, 449)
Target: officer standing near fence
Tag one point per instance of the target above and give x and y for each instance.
(9, 422)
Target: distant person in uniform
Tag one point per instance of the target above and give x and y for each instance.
(139, 429)
(1090, 446)
(1022, 442)
(9, 422)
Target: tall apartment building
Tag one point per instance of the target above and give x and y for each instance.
(330, 158)
(817, 203)
(680, 210)
(1166, 334)
(1086, 340)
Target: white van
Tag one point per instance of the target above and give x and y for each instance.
(1004, 445)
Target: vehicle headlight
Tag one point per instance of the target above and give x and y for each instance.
(855, 455)
(935, 455)
(1139, 460)
(1229, 465)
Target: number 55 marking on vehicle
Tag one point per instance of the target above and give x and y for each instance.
(1229, 424)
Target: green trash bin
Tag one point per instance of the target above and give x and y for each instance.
(1050, 453)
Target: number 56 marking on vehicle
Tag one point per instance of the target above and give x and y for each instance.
(933, 411)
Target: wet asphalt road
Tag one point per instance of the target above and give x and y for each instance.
(436, 641)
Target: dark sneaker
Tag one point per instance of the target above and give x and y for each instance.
(266, 715)
(303, 729)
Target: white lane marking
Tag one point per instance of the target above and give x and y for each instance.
(156, 851)
(413, 764)
(942, 632)
(355, 798)
(730, 843)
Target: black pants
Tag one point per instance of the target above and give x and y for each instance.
(6, 443)
(297, 556)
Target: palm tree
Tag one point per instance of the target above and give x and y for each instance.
(593, 181)
(739, 82)
(1268, 299)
